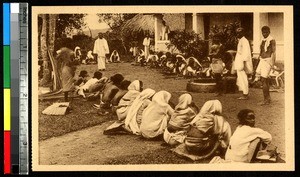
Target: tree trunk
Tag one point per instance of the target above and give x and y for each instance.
(51, 42)
(46, 73)
(52, 28)
(90, 32)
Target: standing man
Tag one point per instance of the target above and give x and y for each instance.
(243, 63)
(146, 44)
(267, 60)
(165, 30)
(101, 49)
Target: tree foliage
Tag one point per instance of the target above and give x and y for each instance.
(189, 43)
(115, 38)
(114, 21)
(66, 23)
(226, 34)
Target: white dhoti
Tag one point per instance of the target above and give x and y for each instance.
(264, 67)
(242, 82)
(147, 49)
(243, 64)
(101, 62)
(242, 78)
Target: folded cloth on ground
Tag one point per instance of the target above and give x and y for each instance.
(183, 152)
(115, 128)
(57, 109)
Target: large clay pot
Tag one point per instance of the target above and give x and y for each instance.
(206, 85)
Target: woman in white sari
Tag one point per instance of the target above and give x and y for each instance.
(184, 113)
(134, 90)
(132, 123)
(156, 116)
(209, 130)
(114, 57)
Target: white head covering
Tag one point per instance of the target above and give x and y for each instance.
(130, 121)
(156, 115)
(127, 99)
(135, 85)
(184, 101)
(112, 54)
(211, 106)
(75, 53)
(162, 98)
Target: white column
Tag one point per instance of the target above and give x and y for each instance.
(256, 34)
(198, 24)
(157, 28)
(259, 20)
(194, 26)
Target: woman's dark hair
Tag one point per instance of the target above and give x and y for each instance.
(117, 79)
(242, 115)
(83, 73)
(124, 84)
(97, 75)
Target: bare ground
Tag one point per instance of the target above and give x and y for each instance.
(77, 138)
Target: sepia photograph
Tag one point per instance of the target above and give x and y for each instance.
(165, 88)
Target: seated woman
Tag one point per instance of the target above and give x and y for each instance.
(184, 113)
(134, 90)
(156, 116)
(109, 90)
(192, 68)
(77, 54)
(209, 131)
(89, 83)
(244, 134)
(134, 115)
(181, 64)
(114, 57)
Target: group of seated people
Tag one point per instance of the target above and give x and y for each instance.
(150, 114)
(178, 65)
(91, 59)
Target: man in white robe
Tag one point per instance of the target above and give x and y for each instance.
(146, 44)
(101, 49)
(243, 64)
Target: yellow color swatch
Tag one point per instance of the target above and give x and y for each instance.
(7, 117)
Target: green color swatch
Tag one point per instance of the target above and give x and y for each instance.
(6, 66)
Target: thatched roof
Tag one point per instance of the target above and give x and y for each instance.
(139, 23)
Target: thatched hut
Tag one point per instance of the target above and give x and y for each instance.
(139, 23)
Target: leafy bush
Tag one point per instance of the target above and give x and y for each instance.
(189, 43)
(226, 34)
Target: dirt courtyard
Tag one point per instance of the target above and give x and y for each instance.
(77, 138)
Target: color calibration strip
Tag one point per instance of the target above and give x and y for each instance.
(6, 86)
(15, 77)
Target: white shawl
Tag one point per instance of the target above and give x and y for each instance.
(130, 121)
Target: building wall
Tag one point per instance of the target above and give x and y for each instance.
(175, 21)
(275, 21)
(189, 22)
